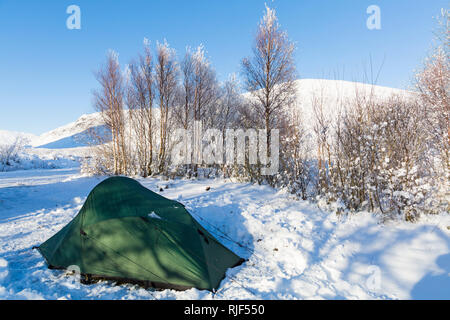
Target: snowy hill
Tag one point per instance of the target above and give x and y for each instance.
(72, 135)
(9, 137)
(333, 94)
(59, 148)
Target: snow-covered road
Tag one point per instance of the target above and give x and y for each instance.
(294, 249)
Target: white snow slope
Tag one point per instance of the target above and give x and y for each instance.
(9, 137)
(57, 148)
(69, 136)
(336, 94)
(63, 133)
(294, 249)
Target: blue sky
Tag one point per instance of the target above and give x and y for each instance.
(46, 70)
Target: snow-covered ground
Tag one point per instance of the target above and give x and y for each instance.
(294, 249)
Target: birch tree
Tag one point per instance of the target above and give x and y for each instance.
(109, 101)
(167, 71)
(141, 94)
(269, 75)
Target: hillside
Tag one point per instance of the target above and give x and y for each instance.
(333, 94)
(9, 137)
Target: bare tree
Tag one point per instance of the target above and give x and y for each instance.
(296, 155)
(9, 153)
(433, 83)
(108, 100)
(167, 71)
(206, 94)
(379, 157)
(228, 106)
(205, 87)
(229, 103)
(140, 98)
(270, 74)
(322, 130)
(184, 110)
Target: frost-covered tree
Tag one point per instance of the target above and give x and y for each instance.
(296, 156)
(433, 83)
(269, 75)
(140, 100)
(229, 105)
(109, 101)
(205, 95)
(206, 88)
(167, 73)
(184, 109)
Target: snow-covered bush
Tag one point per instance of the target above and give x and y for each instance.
(99, 162)
(433, 84)
(9, 153)
(16, 156)
(382, 159)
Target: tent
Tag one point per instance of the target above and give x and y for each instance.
(127, 233)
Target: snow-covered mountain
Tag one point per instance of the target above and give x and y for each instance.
(72, 135)
(59, 148)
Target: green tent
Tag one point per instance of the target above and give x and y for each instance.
(127, 233)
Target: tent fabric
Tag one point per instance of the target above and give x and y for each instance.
(127, 233)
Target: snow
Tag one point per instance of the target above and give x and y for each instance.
(71, 135)
(77, 130)
(9, 137)
(295, 249)
(333, 95)
(81, 139)
(58, 148)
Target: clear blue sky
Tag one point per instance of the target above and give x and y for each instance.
(46, 70)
